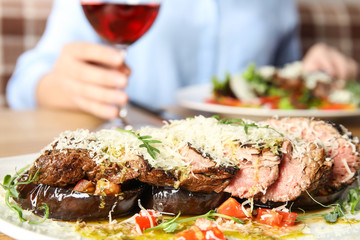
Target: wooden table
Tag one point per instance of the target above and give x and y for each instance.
(29, 131)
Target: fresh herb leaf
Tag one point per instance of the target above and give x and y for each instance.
(353, 199)
(172, 224)
(221, 87)
(285, 103)
(354, 88)
(331, 217)
(242, 123)
(10, 184)
(168, 226)
(146, 142)
(257, 82)
(337, 210)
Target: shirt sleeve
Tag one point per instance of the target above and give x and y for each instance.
(65, 18)
(289, 49)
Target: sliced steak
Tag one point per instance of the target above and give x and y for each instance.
(258, 170)
(202, 175)
(297, 173)
(341, 147)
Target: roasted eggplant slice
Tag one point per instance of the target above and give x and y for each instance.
(68, 205)
(172, 200)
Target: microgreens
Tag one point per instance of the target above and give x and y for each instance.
(10, 184)
(338, 208)
(240, 122)
(353, 199)
(172, 224)
(146, 141)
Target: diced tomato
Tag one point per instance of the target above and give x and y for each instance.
(193, 234)
(229, 101)
(337, 106)
(209, 229)
(214, 233)
(146, 219)
(105, 187)
(276, 218)
(269, 217)
(270, 101)
(211, 101)
(288, 218)
(202, 230)
(232, 208)
(84, 186)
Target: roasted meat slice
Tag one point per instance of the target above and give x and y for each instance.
(297, 173)
(202, 175)
(258, 170)
(341, 147)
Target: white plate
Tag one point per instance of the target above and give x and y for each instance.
(9, 222)
(193, 97)
(11, 226)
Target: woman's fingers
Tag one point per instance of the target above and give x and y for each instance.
(99, 109)
(95, 53)
(94, 74)
(88, 77)
(112, 96)
(322, 57)
(84, 68)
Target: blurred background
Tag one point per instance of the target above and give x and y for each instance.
(22, 22)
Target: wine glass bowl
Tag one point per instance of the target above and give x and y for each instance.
(121, 23)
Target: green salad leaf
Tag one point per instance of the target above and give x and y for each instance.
(10, 184)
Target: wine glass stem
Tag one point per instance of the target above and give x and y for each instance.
(123, 110)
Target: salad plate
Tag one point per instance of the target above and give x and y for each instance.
(195, 98)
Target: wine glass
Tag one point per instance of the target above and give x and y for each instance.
(120, 23)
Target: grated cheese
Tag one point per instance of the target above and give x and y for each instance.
(213, 139)
(103, 145)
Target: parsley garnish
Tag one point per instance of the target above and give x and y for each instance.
(171, 224)
(146, 141)
(10, 183)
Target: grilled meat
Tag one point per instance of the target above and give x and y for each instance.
(341, 148)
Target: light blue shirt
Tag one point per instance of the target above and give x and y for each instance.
(189, 42)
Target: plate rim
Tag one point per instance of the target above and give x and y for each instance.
(193, 97)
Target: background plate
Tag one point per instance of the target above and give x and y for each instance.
(193, 97)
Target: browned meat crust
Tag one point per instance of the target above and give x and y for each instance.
(64, 168)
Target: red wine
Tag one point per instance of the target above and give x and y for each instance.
(120, 23)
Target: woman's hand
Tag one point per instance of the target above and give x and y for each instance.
(88, 77)
(322, 57)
